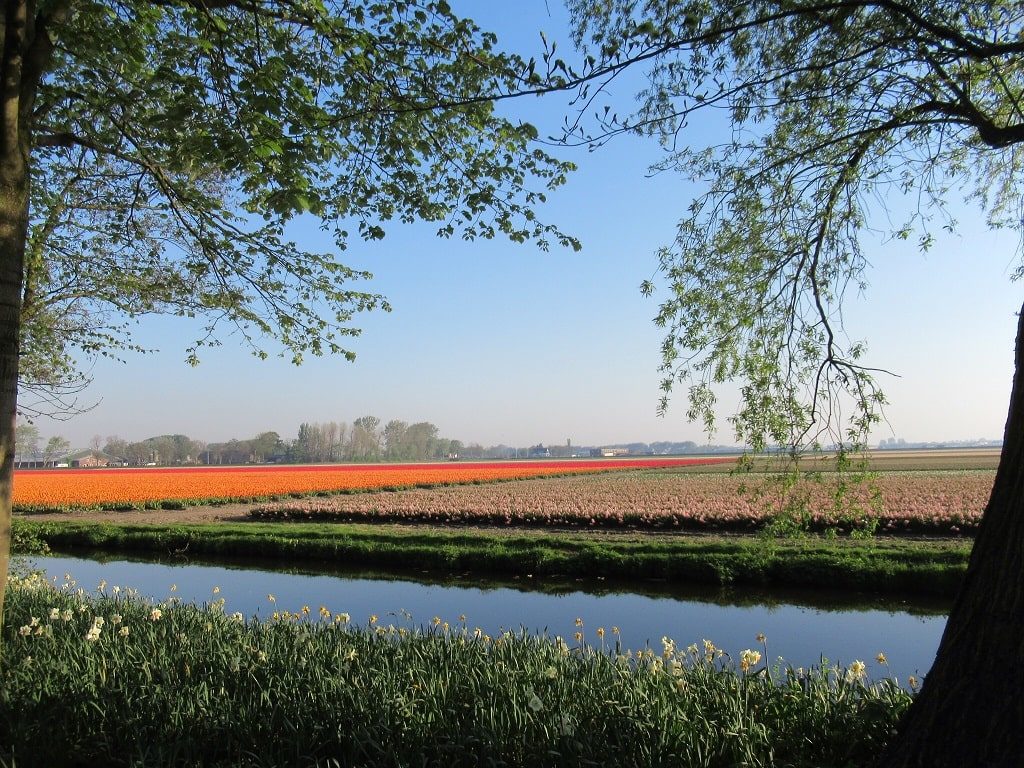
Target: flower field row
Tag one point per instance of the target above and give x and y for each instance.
(938, 502)
(125, 488)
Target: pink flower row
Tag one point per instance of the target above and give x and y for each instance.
(938, 502)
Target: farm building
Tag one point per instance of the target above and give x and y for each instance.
(88, 458)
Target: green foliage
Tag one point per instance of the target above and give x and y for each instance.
(26, 440)
(26, 540)
(829, 111)
(790, 495)
(880, 566)
(172, 144)
(108, 679)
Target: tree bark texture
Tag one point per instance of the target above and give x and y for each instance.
(15, 105)
(970, 711)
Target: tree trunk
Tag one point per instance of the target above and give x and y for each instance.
(970, 711)
(13, 226)
(15, 109)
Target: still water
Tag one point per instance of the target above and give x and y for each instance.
(801, 627)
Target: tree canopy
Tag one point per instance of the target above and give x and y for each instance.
(172, 142)
(829, 110)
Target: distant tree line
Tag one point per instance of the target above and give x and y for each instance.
(366, 439)
(161, 450)
(27, 441)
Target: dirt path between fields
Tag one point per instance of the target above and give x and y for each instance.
(223, 513)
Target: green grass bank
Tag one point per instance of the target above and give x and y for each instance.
(879, 565)
(107, 679)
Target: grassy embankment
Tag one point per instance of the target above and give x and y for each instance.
(880, 565)
(110, 680)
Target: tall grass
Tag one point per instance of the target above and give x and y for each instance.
(107, 679)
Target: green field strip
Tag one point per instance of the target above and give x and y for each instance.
(878, 565)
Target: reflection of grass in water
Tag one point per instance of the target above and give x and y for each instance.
(896, 567)
(110, 680)
(818, 599)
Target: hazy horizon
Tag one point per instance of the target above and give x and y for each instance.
(468, 440)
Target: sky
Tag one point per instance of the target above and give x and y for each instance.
(502, 343)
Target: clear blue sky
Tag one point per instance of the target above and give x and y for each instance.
(502, 343)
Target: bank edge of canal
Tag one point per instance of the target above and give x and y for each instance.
(882, 565)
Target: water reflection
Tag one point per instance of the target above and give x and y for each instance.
(801, 626)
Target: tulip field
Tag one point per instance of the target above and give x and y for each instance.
(59, 489)
(641, 494)
(945, 503)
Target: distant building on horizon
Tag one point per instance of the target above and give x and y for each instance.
(90, 458)
(608, 452)
(899, 444)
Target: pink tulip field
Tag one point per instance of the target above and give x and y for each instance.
(945, 503)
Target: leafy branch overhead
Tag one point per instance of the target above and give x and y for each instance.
(172, 142)
(829, 112)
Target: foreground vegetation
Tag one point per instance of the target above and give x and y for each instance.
(107, 679)
(883, 565)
